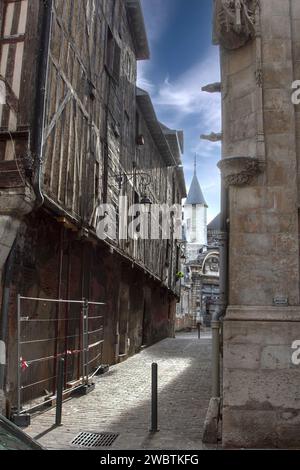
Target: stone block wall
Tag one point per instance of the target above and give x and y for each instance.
(261, 406)
(261, 400)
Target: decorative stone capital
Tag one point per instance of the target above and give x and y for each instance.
(239, 171)
(234, 22)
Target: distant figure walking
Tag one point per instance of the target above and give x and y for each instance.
(199, 329)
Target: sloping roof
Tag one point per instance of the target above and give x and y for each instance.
(215, 224)
(195, 195)
(138, 29)
(146, 107)
(168, 141)
(176, 141)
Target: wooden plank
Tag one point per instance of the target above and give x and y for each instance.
(57, 115)
(62, 157)
(68, 156)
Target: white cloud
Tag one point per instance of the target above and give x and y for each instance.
(210, 187)
(156, 14)
(181, 104)
(185, 98)
(142, 80)
(204, 148)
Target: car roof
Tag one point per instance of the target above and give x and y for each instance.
(12, 437)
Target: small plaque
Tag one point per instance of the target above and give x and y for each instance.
(280, 300)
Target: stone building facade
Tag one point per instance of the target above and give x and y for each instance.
(76, 133)
(259, 46)
(195, 239)
(213, 231)
(200, 286)
(203, 281)
(184, 316)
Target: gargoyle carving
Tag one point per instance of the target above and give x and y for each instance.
(234, 22)
(212, 87)
(213, 137)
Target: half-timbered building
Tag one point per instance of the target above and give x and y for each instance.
(75, 133)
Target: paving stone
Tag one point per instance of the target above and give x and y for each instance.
(121, 400)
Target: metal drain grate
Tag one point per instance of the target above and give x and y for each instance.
(94, 439)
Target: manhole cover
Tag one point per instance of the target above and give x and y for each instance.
(94, 439)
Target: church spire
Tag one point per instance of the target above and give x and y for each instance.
(195, 195)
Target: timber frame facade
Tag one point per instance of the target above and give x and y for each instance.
(71, 119)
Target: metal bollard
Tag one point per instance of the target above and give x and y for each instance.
(154, 401)
(60, 389)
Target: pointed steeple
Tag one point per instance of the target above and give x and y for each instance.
(195, 195)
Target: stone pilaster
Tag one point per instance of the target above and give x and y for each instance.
(261, 401)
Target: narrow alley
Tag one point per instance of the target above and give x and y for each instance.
(120, 402)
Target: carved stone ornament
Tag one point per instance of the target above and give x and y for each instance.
(239, 171)
(234, 22)
(212, 137)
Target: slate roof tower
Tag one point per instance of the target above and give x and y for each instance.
(195, 218)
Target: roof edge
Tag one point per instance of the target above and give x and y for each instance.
(176, 141)
(138, 29)
(215, 224)
(147, 108)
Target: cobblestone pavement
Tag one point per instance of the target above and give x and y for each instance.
(121, 401)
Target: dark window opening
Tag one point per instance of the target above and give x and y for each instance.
(113, 56)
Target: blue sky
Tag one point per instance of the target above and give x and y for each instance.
(182, 61)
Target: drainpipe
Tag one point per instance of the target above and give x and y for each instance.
(222, 304)
(40, 101)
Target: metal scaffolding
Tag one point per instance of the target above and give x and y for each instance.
(50, 329)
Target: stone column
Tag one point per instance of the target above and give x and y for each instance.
(261, 392)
